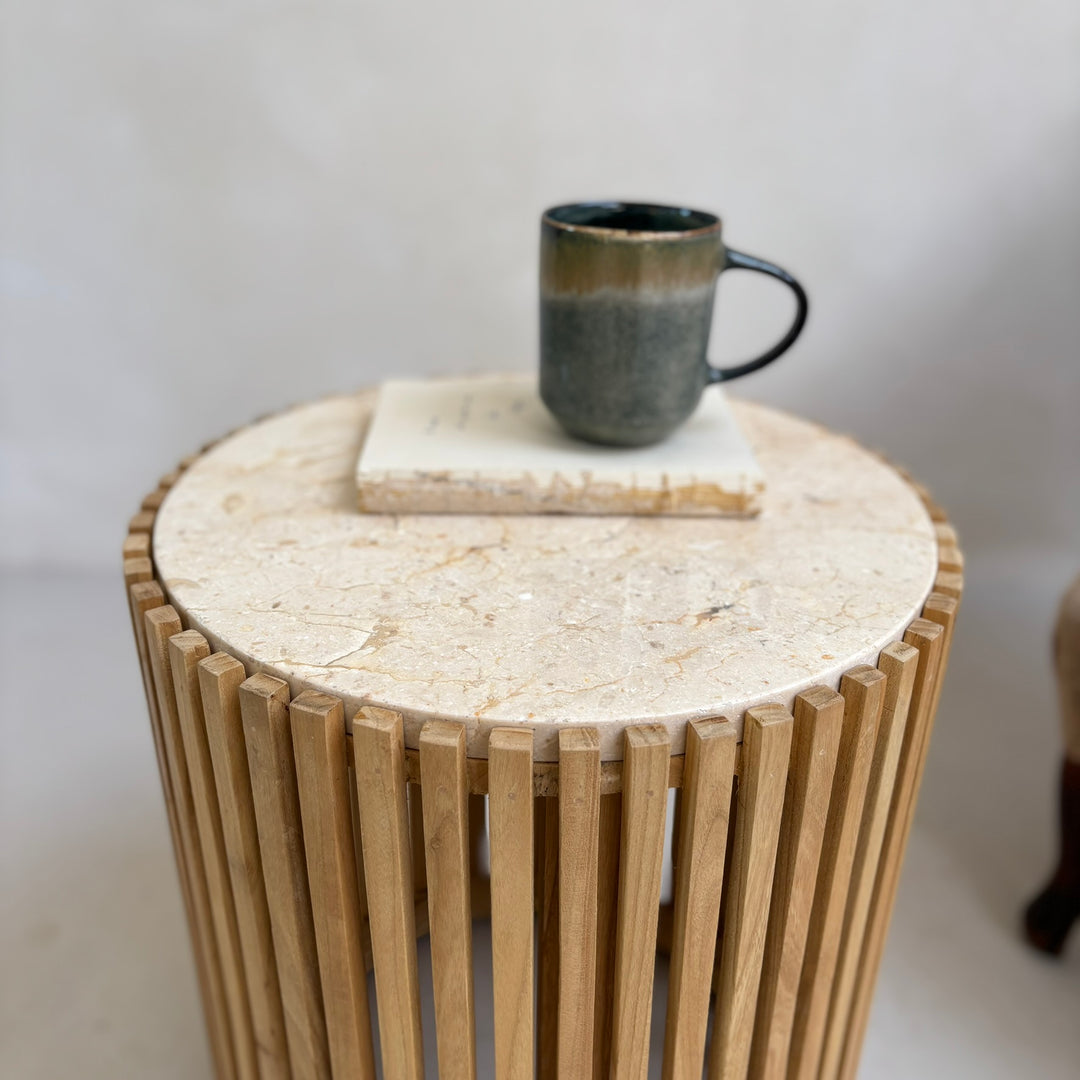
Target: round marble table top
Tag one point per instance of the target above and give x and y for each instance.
(542, 620)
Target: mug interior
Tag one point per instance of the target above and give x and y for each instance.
(632, 217)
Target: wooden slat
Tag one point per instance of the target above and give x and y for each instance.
(358, 853)
(607, 906)
(676, 822)
(446, 844)
(144, 597)
(137, 546)
(322, 778)
(379, 764)
(938, 613)
(546, 861)
(137, 568)
(703, 833)
(416, 835)
(160, 624)
(154, 500)
(579, 832)
(945, 533)
(185, 652)
(951, 558)
(264, 710)
(949, 583)
(940, 609)
(142, 522)
(767, 733)
(819, 715)
(641, 863)
(898, 662)
(863, 690)
(928, 638)
(510, 812)
(220, 677)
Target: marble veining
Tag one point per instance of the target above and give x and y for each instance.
(542, 620)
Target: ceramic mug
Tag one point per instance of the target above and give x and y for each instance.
(626, 300)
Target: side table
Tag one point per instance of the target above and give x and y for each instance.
(356, 716)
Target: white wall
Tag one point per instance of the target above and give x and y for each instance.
(211, 209)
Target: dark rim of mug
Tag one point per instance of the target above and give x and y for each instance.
(704, 223)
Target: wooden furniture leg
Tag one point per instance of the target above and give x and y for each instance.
(1051, 915)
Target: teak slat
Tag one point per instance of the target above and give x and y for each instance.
(863, 690)
(510, 812)
(160, 624)
(379, 765)
(819, 715)
(940, 609)
(949, 583)
(137, 546)
(416, 837)
(641, 863)
(322, 777)
(579, 834)
(607, 906)
(144, 597)
(931, 637)
(699, 878)
(898, 663)
(767, 733)
(142, 522)
(185, 651)
(137, 569)
(950, 558)
(546, 860)
(945, 533)
(220, 677)
(928, 638)
(358, 853)
(154, 500)
(264, 709)
(446, 847)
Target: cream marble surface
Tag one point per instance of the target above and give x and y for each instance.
(542, 621)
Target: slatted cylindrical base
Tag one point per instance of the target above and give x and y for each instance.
(313, 846)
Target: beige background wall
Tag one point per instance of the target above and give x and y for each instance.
(211, 209)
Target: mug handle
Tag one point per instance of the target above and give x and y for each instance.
(736, 260)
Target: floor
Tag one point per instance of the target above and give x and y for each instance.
(96, 978)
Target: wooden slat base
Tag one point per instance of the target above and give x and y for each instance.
(312, 846)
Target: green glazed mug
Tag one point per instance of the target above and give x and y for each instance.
(626, 301)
